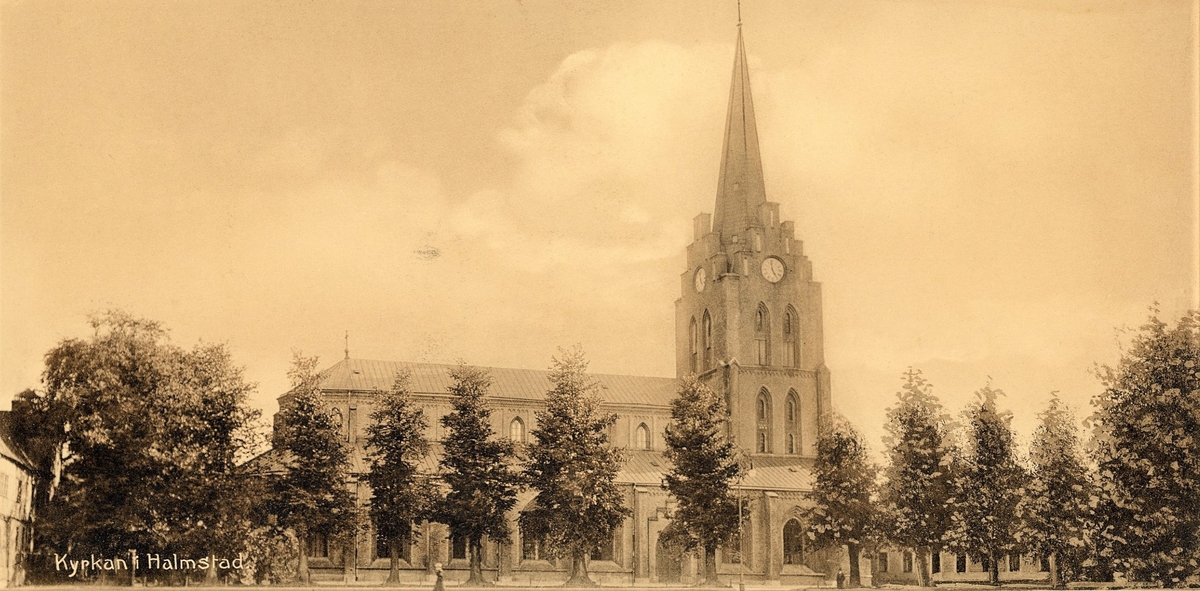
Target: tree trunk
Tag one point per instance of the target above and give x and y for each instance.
(855, 574)
(476, 555)
(993, 570)
(393, 562)
(709, 555)
(210, 575)
(579, 574)
(1056, 581)
(924, 577)
(302, 563)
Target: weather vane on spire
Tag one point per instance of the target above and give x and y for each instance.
(347, 344)
(739, 3)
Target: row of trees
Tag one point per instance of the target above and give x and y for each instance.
(145, 442)
(569, 464)
(147, 438)
(148, 442)
(1129, 502)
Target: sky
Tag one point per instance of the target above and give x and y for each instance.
(989, 191)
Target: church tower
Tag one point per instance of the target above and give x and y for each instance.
(748, 322)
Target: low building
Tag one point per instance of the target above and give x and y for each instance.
(17, 481)
(898, 566)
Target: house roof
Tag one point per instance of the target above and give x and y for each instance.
(8, 444)
(527, 384)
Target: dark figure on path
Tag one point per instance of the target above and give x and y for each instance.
(841, 579)
(439, 585)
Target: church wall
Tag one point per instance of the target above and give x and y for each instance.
(636, 550)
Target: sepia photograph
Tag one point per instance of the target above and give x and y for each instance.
(749, 294)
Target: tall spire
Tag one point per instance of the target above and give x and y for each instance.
(740, 189)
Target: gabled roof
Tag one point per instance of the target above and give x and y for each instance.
(363, 375)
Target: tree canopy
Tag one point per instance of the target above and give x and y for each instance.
(578, 504)
(990, 484)
(476, 467)
(845, 512)
(311, 496)
(1147, 445)
(919, 484)
(704, 467)
(396, 444)
(147, 435)
(1057, 506)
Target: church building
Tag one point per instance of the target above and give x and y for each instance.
(748, 323)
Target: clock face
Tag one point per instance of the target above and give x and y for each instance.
(772, 269)
(700, 280)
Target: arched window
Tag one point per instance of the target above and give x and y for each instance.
(762, 334)
(791, 330)
(458, 546)
(763, 409)
(642, 437)
(707, 336)
(604, 551)
(693, 346)
(318, 546)
(532, 547)
(793, 542)
(383, 546)
(516, 430)
(791, 422)
(335, 416)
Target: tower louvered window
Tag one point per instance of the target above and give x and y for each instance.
(693, 346)
(791, 330)
(708, 342)
(763, 410)
(791, 422)
(762, 334)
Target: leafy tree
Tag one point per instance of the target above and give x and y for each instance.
(1147, 436)
(395, 446)
(919, 487)
(311, 496)
(578, 504)
(990, 484)
(1057, 505)
(844, 512)
(145, 436)
(476, 468)
(704, 466)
